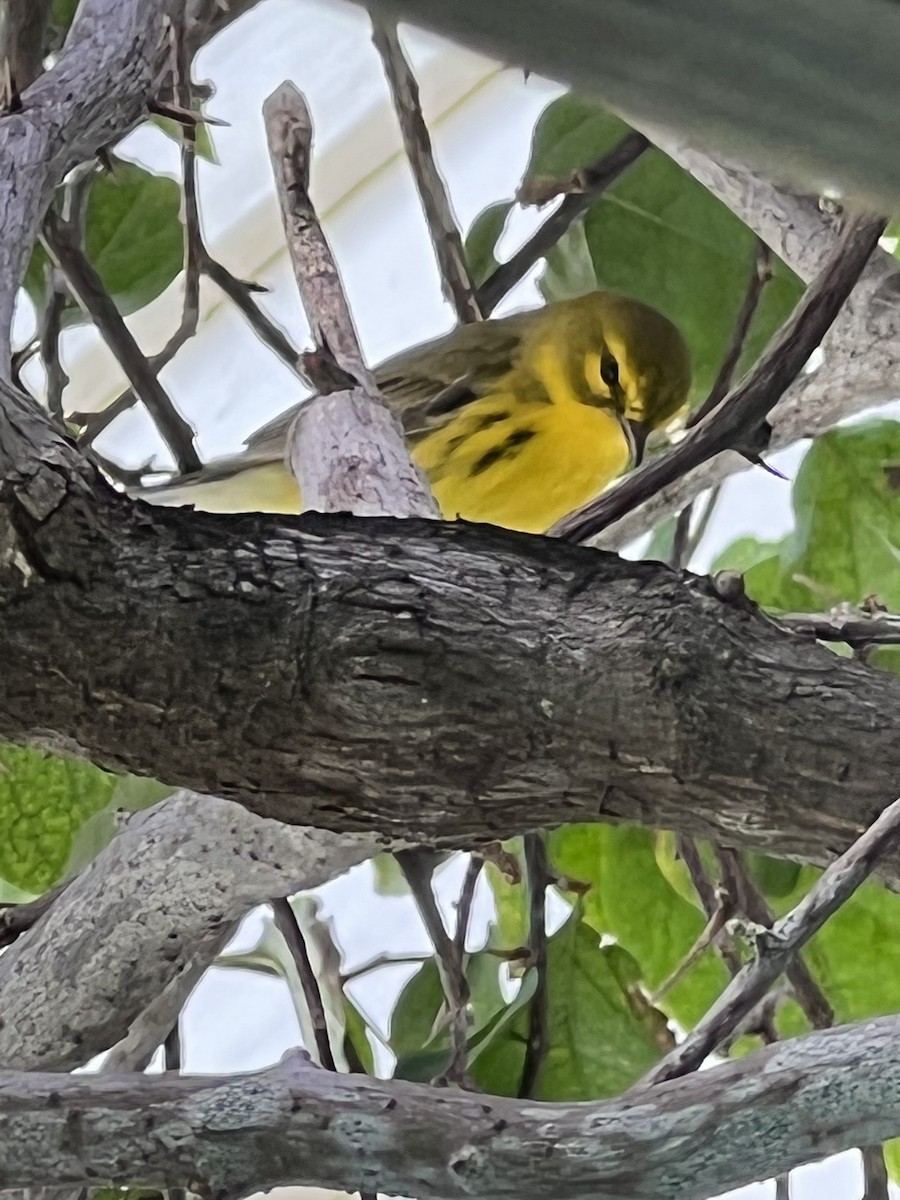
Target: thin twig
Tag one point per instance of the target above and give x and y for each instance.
(754, 906)
(778, 947)
(707, 937)
(538, 874)
(86, 284)
(23, 43)
(836, 627)
(680, 537)
(49, 329)
(286, 924)
(759, 277)
(418, 869)
(172, 1061)
(875, 1175)
(240, 292)
(709, 898)
(597, 178)
(458, 286)
(739, 422)
(464, 904)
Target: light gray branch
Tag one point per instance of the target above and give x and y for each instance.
(792, 1103)
(114, 55)
(345, 448)
(777, 947)
(146, 916)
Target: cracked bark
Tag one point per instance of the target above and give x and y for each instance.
(430, 681)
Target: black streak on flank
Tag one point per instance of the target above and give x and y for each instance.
(506, 449)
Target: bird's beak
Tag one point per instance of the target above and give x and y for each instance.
(639, 437)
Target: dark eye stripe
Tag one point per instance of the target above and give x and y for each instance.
(506, 449)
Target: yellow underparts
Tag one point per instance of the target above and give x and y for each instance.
(502, 460)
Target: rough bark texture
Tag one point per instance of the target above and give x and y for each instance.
(439, 682)
(792, 1103)
(113, 58)
(73, 985)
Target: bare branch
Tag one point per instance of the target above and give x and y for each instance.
(74, 984)
(538, 876)
(62, 242)
(875, 1174)
(596, 179)
(751, 902)
(287, 926)
(418, 870)
(778, 947)
(759, 277)
(841, 626)
(346, 449)
(739, 422)
(464, 904)
(457, 283)
(792, 1103)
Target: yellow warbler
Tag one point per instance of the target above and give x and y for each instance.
(516, 421)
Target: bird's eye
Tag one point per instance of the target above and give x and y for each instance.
(609, 371)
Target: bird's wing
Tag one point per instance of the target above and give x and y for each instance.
(424, 385)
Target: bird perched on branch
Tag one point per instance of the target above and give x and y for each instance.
(516, 421)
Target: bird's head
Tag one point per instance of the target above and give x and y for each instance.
(641, 366)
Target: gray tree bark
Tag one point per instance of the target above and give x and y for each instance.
(293, 1123)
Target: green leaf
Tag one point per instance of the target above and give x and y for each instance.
(133, 233)
(133, 238)
(892, 1159)
(389, 879)
(61, 13)
(662, 541)
(357, 1046)
(633, 901)
(846, 541)
(571, 132)
(419, 1034)
(744, 553)
(203, 142)
(660, 236)
(44, 801)
(569, 269)
(481, 240)
(845, 544)
(509, 930)
(775, 877)
(134, 792)
(602, 1035)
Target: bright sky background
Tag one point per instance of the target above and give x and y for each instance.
(228, 384)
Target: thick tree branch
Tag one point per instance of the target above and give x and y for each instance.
(72, 986)
(113, 58)
(792, 1103)
(316, 658)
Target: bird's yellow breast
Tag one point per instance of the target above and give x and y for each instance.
(521, 465)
